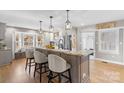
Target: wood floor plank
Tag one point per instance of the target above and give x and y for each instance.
(100, 72)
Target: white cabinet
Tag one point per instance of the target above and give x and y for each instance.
(2, 30)
(5, 57)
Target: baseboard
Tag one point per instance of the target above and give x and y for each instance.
(109, 61)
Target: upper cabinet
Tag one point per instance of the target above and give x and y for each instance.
(2, 30)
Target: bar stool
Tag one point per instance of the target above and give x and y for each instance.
(29, 57)
(41, 61)
(58, 66)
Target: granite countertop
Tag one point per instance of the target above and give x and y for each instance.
(79, 53)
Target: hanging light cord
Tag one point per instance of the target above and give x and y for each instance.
(40, 25)
(51, 20)
(67, 14)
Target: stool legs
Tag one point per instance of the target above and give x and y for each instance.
(50, 76)
(26, 63)
(35, 69)
(59, 75)
(45, 67)
(39, 69)
(40, 72)
(29, 66)
(69, 74)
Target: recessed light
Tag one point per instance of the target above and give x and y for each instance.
(82, 24)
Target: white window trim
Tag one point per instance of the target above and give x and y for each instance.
(116, 51)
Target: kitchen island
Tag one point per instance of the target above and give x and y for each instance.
(79, 60)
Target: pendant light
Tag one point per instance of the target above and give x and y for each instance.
(51, 28)
(40, 30)
(67, 23)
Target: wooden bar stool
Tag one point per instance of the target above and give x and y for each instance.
(29, 58)
(41, 61)
(58, 66)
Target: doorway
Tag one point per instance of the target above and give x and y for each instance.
(88, 42)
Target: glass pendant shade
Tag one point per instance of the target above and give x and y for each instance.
(40, 31)
(67, 23)
(51, 28)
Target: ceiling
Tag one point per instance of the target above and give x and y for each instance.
(31, 18)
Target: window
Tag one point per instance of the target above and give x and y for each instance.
(24, 40)
(39, 40)
(28, 40)
(48, 36)
(109, 41)
(18, 40)
(51, 37)
(87, 40)
(56, 35)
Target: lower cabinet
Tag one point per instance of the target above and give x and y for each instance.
(5, 57)
(85, 70)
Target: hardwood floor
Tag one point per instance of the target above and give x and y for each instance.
(15, 73)
(100, 72)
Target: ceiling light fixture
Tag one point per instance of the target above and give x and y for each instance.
(51, 28)
(40, 30)
(68, 23)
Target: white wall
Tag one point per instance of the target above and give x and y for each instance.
(110, 57)
(2, 30)
(119, 59)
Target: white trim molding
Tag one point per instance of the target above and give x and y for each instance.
(110, 61)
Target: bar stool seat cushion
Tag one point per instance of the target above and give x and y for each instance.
(29, 53)
(40, 57)
(57, 64)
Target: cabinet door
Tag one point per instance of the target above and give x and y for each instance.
(2, 30)
(85, 70)
(5, 57)
(75, 66)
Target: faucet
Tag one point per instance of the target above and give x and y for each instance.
(61, 44)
